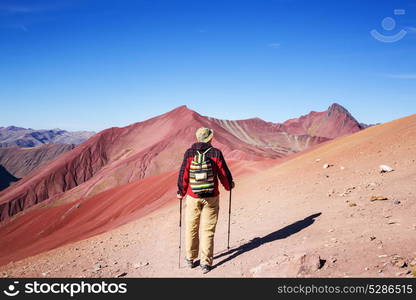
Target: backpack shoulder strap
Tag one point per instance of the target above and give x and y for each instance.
(205, 152)
(198, 157)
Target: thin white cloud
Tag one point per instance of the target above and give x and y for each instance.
(19, 9)
(29, 9)
(274, 45)
(401, 76)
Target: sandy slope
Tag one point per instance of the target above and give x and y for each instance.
(279, 214)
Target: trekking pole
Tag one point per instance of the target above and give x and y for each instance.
(180, 232)
(229, 220)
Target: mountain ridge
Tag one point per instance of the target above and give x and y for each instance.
(11, 136)
(119, 155)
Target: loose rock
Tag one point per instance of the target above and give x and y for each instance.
(140, 264)
(401, 263)
(403, 273)
(310, 263)
(385, 169)
(378, 198)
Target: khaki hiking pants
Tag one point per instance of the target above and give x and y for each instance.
(201, 215)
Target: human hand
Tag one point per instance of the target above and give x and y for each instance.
(232, 184)
(179, 196)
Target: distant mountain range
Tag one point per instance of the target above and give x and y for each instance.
(17, 162)
(23, 150)
(27, 137)
(116, 156)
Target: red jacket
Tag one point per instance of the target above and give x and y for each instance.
(220, 170)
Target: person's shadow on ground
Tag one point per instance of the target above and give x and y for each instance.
(258, 241)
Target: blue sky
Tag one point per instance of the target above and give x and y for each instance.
(90, 65)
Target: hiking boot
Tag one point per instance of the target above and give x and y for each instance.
(190, 263)
(205, 269)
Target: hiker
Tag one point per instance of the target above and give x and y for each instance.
(202, 165)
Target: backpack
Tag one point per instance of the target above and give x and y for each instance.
(201, 175)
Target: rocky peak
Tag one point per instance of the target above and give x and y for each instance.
(335, 107)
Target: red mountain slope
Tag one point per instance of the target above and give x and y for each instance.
(120, 155)
(334, 122)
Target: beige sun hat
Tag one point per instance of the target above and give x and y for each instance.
(204, 134)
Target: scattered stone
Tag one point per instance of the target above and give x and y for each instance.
(378, 198)
(331, 230)
(397, 202)
(391, 222)
(347, 191)
(383, 255)
(317, 160)
(385, 169)
(140, 264)
(122, 274)
(401, 263)
(97, 267)
(310, 263)
(404, 273)
(342, 168)
(413, 263)
(372, 238)
(326, 166)
(352, 204)
(367, 268)
(371, 186)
